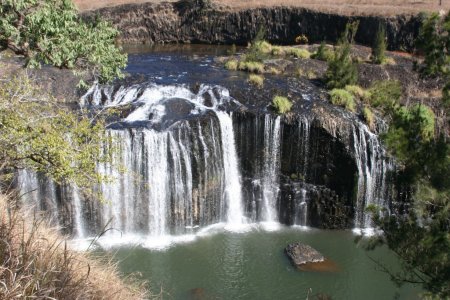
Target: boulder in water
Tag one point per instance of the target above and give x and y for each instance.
(306, 258)
(301, 254)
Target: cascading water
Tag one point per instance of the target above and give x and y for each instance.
(233, 187)
(270, 168)
(372, 173)
(177, 166)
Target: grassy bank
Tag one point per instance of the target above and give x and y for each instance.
(36, 263)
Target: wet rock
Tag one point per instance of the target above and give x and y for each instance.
(301, 254)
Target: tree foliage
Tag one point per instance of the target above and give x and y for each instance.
(379, 46)
(51, 32)
(39, 134)
(342, 70)
(434, 43)
(420, 235)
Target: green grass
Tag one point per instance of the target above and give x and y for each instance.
(251, 66)
(257, 80)
(278, 51)
(282, 104)
(369, 118)
(231, 65)
(343, 98)
(357, 91)
(263, 47)
(298, 52)
(385, 94)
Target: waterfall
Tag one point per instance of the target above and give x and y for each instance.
(270, 171)
(301, 209)
(233, 187)
(372, 170)
(78, 213)
(185, 161)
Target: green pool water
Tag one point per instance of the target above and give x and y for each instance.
(252, 265)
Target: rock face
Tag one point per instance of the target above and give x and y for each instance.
(301, 254)
(180, 22)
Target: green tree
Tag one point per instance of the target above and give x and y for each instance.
(379, 46)
(37, 133)
(342, 70)
(420, 235)
(434, 43)
(51, 32)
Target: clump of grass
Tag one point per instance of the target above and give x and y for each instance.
(298, 52)
(278, 51)
(36, 264)
(358, 92)
(310, 74)
(369, 118)
(275, 71)
(251, 66)
(257, 80)
(231, 65)
(262, 47)
(282, 104)
(385, 94)
(343, 98)
(389, 61)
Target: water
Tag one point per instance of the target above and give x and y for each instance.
(253, 265)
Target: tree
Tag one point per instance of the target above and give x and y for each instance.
(342, 70)
(419, 234)
(379, 46)
(38, 134)
(51, 32)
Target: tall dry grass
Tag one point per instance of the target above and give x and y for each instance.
(35, 263)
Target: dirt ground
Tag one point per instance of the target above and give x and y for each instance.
(352, 7)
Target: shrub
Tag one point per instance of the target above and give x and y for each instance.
(301, 39)
(282, 104)
(298, 52)
(379, 46)
(251, 66)
(426, 118)
(369, 118)
(52, 32)
(342, 69)
(343, 98)
(257, 80)
(323, 53)
(357, 91)
(385, 94)
(232, 65)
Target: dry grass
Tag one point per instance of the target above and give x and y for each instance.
(36, 264)
(347, 7)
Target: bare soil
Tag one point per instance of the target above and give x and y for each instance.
(347, 7)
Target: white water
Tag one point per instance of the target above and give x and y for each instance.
(271, 168)
(78, 213)
(168, 185)
(233, 187)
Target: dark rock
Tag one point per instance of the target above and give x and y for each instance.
(301, 254)
(177, 23)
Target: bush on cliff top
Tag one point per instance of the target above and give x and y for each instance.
(343, 98)
(51, 32)
(282, 104)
